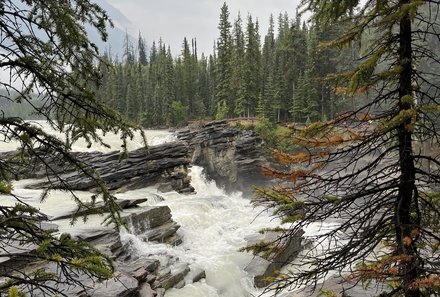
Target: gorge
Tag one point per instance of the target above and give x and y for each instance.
(186, 201)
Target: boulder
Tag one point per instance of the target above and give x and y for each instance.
(16, 254)
(19, 253)
(145, 290)
(140, 269)
(154, 224)
(173, 277)
(262, 268)
(105, 239)
(124, 285)
(160, 292)
(195, 274)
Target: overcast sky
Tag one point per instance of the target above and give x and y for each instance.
(175, 19)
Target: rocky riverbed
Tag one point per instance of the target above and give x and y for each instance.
(231, 157)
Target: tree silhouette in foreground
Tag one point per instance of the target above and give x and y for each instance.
(46, 57)
(369, 172)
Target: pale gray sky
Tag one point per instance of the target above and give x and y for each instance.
(175, 19)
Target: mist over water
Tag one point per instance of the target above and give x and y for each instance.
(154, 137)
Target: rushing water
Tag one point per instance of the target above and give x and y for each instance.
(154, 137)
(214, 226)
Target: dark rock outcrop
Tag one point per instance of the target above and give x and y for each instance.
(165, 165)
(123, 285)
(230, 156)
(154, 224)
(105, 239)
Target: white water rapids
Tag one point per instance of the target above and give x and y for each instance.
(214, 226)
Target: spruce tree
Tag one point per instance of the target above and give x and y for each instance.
(370, 179)
(269, 99)
(47, 55)
(204, 84)
(252, 67)
(238, 84)
(286, 71)
(142, 51)
(212, 73)
(223, 98)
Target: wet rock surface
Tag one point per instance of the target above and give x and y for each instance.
(230, 156)
(134, 275)
(99, 207)
(261, 268)
(154, 224)
(165, 165)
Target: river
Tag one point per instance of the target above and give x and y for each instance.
(214, 226)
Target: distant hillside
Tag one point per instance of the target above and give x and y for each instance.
(116, 34)
(24, 110)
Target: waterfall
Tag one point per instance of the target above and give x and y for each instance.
(214, 226)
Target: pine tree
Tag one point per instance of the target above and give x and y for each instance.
(270, 95)
(204, 84)
(252, 67)
(370, 178)
(238, 84)
(286, 71)
(142, 51)
(128, 55)
(169, 85)
(212, 72)
(187, 91)
(223, 99)
(46, 53)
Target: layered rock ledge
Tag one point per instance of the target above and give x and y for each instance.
(230, 156)
(144, 276)
(164, 165)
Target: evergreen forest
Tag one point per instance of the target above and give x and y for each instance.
(278, 77)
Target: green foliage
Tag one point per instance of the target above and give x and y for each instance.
(54, 73)
(222, 110)
(178, 113)
(333, 199)
(274, 135)
(327, 293)
(265, 249)
(14, 292)
(224, 67)
(430, 203)
(267, 131)
(5, 187)
(373, 180)
(278, 77)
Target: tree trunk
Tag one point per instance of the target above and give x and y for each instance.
(322, 102)
(406, 201)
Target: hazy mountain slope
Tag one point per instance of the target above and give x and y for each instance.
(116, 34)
